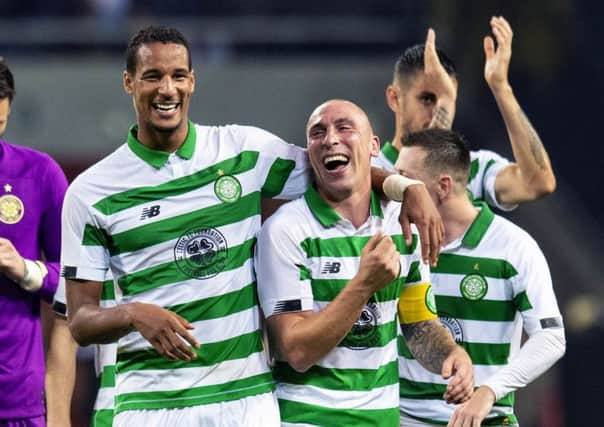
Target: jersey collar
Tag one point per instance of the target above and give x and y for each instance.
(326, 215)
(479, 226)
(157, 158)
(390, 152)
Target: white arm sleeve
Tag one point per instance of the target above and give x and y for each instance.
(536, 356)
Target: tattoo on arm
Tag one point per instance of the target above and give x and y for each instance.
(429, 342)
(441, 118)
(535, 144)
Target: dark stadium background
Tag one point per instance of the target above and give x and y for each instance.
(267, 63)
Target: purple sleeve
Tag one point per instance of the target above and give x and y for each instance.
(55, 186)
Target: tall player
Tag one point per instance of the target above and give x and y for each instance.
(174, 214)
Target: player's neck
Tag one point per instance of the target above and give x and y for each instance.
(167, 141)
(353, 206)
(397, 139)
(457, 214)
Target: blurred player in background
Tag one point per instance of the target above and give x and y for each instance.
(423, 94)
(32, 187)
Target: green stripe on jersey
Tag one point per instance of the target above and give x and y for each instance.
(115, 203)
(167, 273)
(420, 390)
(102, 418)
(108, 376)
(521, 301)
(489, 310)
(232, 390)
(349, 246)
(338, 379)
(95, 237)
(172, 228)
(480, 353)
(208, 354)
(328, 289)
(108, 292)
(461, 264)
(277, 177)
(474, 166)
(297, 412)
(218, 306)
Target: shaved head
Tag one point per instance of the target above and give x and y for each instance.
(362, 116)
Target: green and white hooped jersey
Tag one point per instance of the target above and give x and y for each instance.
(178, 230)
(306, 255)
(104, 360)
(484, 167)
(489, 285)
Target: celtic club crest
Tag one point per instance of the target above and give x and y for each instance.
(473, 287)
(227, 188)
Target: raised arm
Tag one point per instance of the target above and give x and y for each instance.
(439, 83)
(531, 176)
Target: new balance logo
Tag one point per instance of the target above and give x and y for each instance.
(150, 212)
(331, 267)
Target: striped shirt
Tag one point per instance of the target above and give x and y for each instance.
(490, 285)
(104, 360)
(303, 268)
(178, 231)
(484, 167)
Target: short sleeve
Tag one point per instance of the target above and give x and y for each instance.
(281, 267)
(484, 167)
(285, 169)
(84, 253)
(534, 294)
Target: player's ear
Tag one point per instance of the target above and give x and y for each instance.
(392, 97)
(445, 186)
(128, 82)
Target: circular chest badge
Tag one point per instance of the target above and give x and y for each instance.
(201, 253)
(473, 287)
(430, 300)
(453, 326)
(364, 332)
(227, 188)
(11, 209)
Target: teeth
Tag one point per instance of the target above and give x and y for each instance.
(166, 107)
(335, 158)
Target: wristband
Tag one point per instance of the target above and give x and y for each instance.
(394, 186)
(35, 272)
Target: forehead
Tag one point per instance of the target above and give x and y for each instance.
(334, 112)
(162, 55)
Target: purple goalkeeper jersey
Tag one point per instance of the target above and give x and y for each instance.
(32, 187)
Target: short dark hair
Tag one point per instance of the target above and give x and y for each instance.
(7, 82)
(412, 61)
(446, 151)
(153, 34)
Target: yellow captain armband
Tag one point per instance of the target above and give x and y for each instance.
(416, 303)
